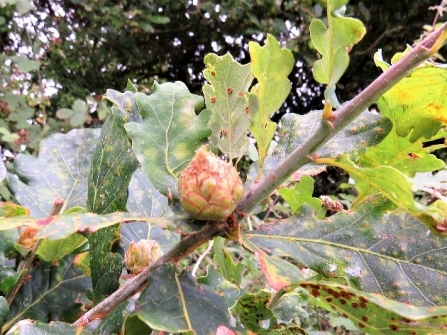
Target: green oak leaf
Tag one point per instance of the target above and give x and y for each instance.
(4, 309)
(53, 292)
(131, 87)
(10, 209)
(226, 99)
(112, 167)
(24, 64)
(372, 248)
(230, 269)
(175, 303)
(112, 322)
(334, 42)
(252, 311)
(62, 226)
(144, 198)
(166, 140)
(399, 152)
(8, 279)
(50, 250)
(52, 328)
(300, 194)
(125, 102)
(20, 111)
(417, 104)
(59, 172)
(373, 313)
(270, 65)
(229, 291)
(393, 185)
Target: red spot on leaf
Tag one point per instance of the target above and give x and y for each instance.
(44, 222)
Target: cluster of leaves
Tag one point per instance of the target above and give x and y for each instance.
(380, 264)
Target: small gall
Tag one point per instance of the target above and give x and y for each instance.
(213, 100)
(229, 90)
(246, 109)
(223, 132)
(213, 73)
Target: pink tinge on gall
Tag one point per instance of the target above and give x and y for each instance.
(209, 188)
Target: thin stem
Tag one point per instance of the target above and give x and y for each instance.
(201, 258)
(342, 117)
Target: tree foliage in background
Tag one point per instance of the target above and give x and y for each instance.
(77, 50)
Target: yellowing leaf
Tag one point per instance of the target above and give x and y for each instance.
(398, 152)
(391, 184)
(418, 103)
(270, 65)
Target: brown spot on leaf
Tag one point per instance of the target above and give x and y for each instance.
(346, 295)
